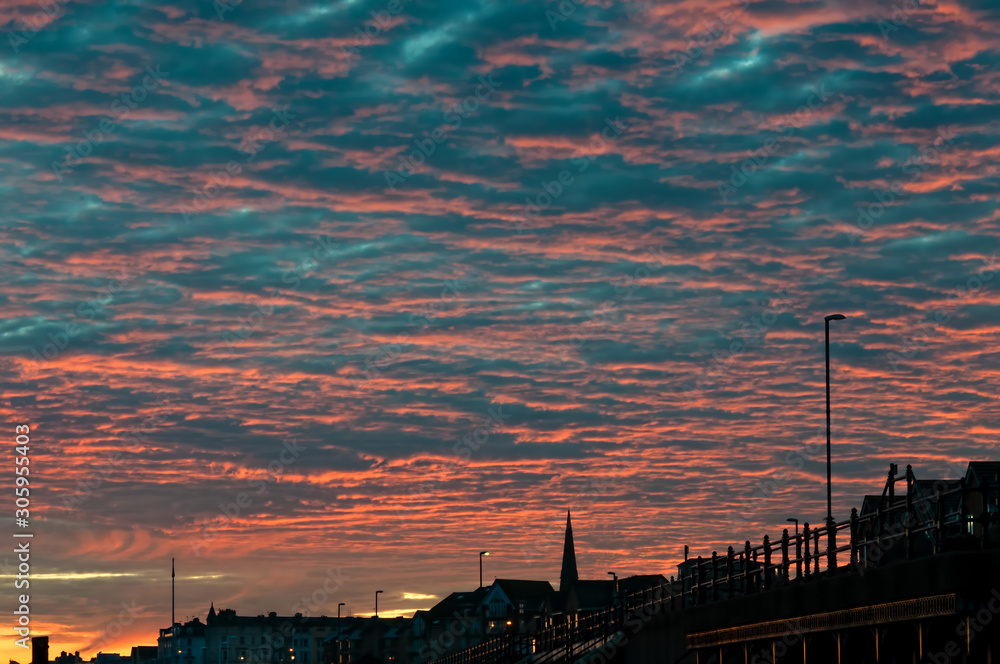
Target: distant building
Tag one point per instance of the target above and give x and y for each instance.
(455, 623)
(960, 507)
(144, 654)
(227, 638)
(518, 606)
(39, 650)
(75, 658)
(182, 644)
(463, 620)
(109, 658)
(982, 473)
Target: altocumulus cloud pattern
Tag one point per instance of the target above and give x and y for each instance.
(478, 263)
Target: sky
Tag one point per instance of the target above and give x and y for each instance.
(325, 298)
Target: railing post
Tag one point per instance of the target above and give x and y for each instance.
(784, 556)
(699, 579)
(805, 542)
(767, 562)
(816, 553)
(730, 592)
(798, 556)
(747, 585)
(831, 547)
(715, 576)
(892, 485)
(854, 538)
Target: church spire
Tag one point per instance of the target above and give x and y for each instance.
(568, 576)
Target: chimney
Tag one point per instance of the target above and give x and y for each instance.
(39, 650)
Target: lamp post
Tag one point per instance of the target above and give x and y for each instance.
(481, 554)
(829, 474)
(376, 602)
(796, 522)
(338, 608)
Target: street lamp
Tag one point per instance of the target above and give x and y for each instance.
(829, 474)
(338, 608)
(376, 602)
(481, 554)
(796, 522)
(616, 583)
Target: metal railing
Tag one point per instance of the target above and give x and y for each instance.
(892, 531)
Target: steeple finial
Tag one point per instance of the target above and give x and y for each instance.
(568, 575)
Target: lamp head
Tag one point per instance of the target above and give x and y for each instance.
(484, 553)
(835, 317)
(379, 591)
(792, 520)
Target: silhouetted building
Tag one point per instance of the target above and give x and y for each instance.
(144, 654)
(109, 658)
(39, 650)
(455, 623)
(518, 606)
(358, 639)
(75, 658)
(228, 638)
(983, 474)
(182, 644)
